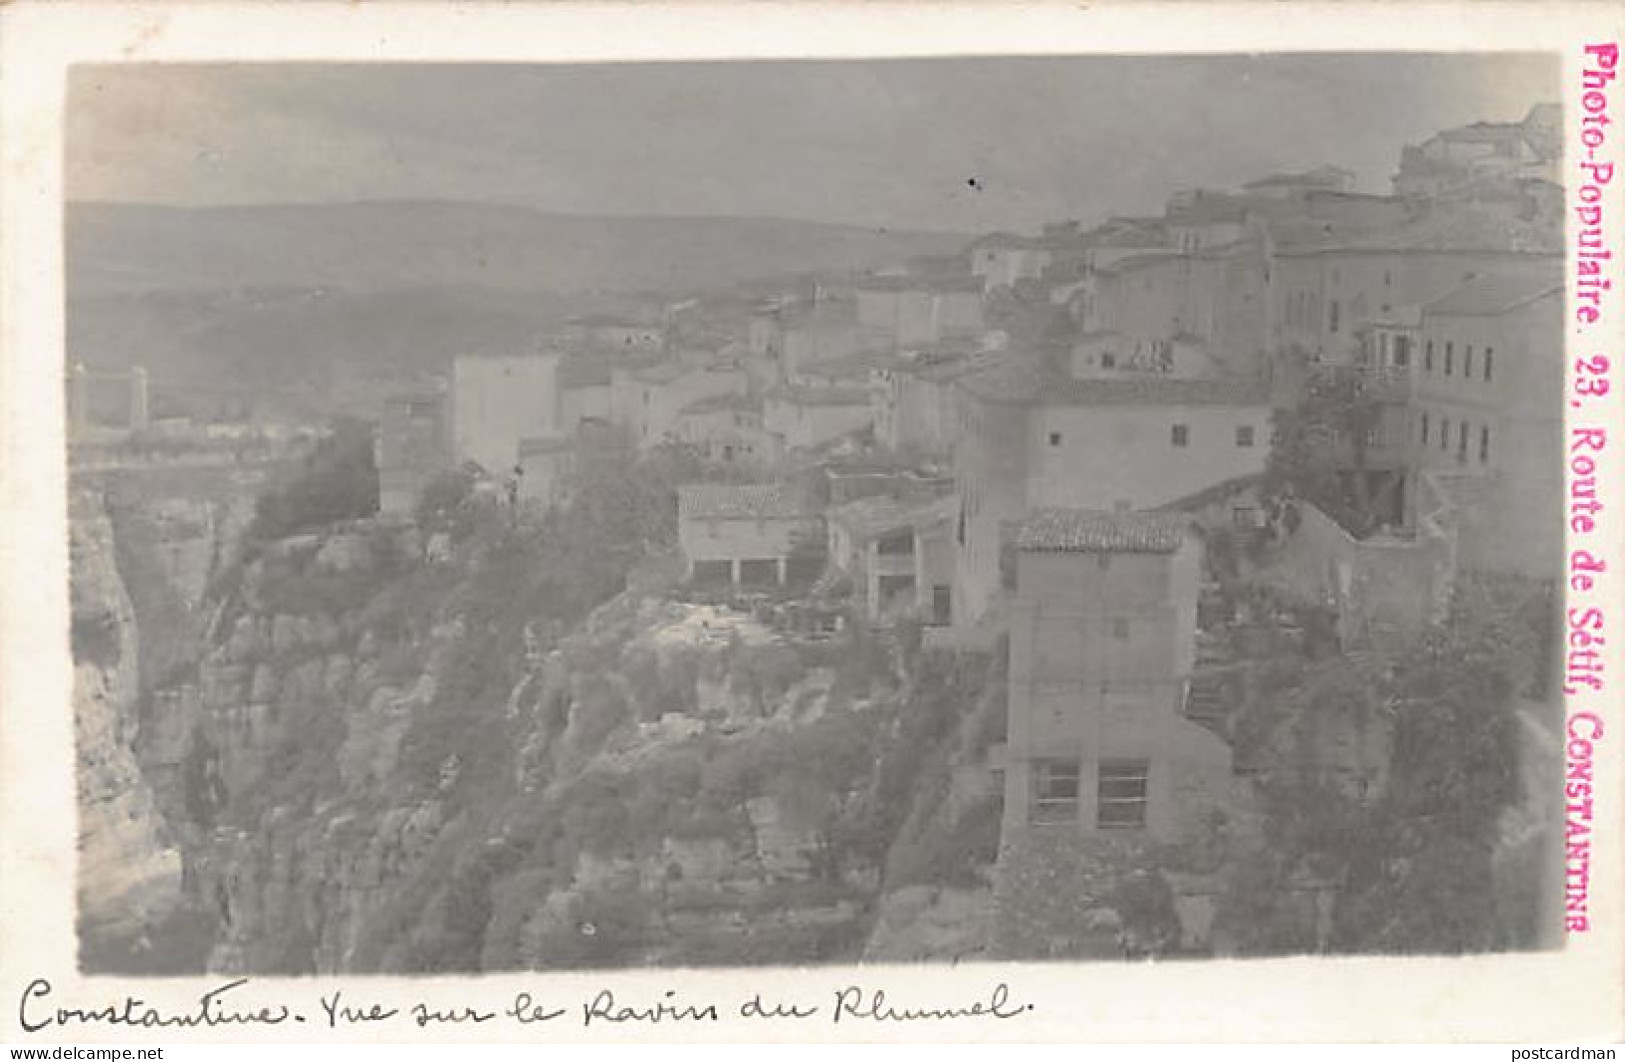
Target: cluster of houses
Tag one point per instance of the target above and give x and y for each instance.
(1034, 437)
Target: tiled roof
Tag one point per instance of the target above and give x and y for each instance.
(1208, 207)
(1005, 239)
(1208, 495)
(944, 371)
(606, 320)
(849, 367)
(1319, 177)
(1130, 232)
(1455, 230)
(1141, 261)
(739, 501)
(1019, 382)
(720, 404)
(661, 372)
(1298, 232)
(1094, 531)
(965, 283)
(1484, 133)
(1494, 294)
(823, 396)
(867, 517)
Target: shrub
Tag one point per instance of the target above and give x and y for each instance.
(338, 480)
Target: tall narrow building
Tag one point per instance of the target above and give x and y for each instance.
(1102, 645)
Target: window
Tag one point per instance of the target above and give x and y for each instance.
(1467, 362)
(1055, 438)
(1181, 435)
(1332, 317)
(1489, 364)
(1427, 362)
(1444, 433)
(1461, 442)
(1108, 360)
(1244, 516)
(1122, 794)
(1402, 352)
(1449, 357)
(1483, 444)
(1424, 427)
(1055, 791)
(1244, 435)
(1120, 629)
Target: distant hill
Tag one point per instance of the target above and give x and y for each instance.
(311, 305)
(375, 246)
(319, 343)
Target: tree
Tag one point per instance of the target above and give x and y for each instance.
(1412, 867)
(442, 497)
(1319, 451)
(338, 480)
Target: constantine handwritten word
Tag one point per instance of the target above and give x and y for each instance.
(228, 1004)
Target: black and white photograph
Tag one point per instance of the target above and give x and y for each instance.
(536, 517)
(927, 513)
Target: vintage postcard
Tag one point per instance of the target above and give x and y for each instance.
(811, 522)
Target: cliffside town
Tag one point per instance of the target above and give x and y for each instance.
(1180, 585)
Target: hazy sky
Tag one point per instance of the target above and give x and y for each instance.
(873, 143)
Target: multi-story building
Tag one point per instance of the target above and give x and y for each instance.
(1102, 646)
(898, 554)
(914, 402)
(645, 399)
(1487, 413)
(497, 401)
(1326, 292)
(1031, 437)
(1464, 161)
(744, 532)
(800, 418)
(908, 312)
(1286, 185)
(613, 332)
(822, 332)
(726, 428)
(1004, 259)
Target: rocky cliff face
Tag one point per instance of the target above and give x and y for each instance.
(129, 870)
(393, 758)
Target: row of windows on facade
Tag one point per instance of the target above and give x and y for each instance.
(1462, 433)
(1180, 435)
(1121, 793)
(1488, 362)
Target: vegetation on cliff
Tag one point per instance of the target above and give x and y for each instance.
(1410, 859)
(492, 754)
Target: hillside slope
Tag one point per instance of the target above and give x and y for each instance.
(373, 246)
